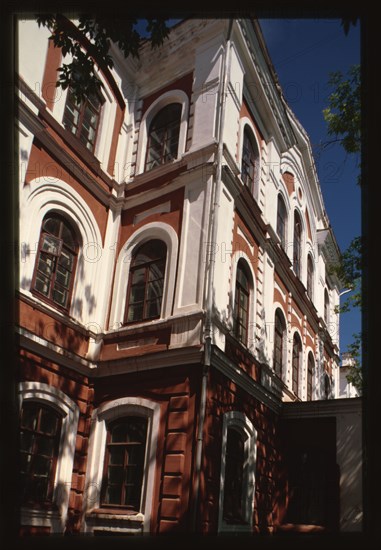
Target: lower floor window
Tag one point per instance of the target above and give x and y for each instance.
(124, 462)
(234, 469)
(39, 442)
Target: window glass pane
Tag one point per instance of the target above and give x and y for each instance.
(137, 294)
(138, 276)
(48, 422)
(26, 442)
(135, 313)
(63, 277)
(60, 296)
(51, 245)
(66, 260)
(119, 433)
(45, 446)
(116, 475)
(46, 265)
(117, 455)
(42, 284)
(29, 416)
(68, 237)
(41, 465)
(114, 494)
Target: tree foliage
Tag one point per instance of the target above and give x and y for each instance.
(100, 31)
(343, 114)
(343, 117)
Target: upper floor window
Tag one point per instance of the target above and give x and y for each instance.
(326, 307)
(163, 136)
(249, 160)
(82, 118)
(296, 362)
(146, 282)
(125, 462)
(56, 261)
(279, 343)
(39, 443)
(310, 276)
(281, 222)
(297, 244)
(310, 370)
(241, 303)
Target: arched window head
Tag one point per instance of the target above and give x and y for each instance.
(310, 371)
(310, 277)
(249, 159)
(279, 343)
(297, 244)
(163, 136)
(296, 362)
(241, 303)
(146, 282)
(326, 307)
(39, 444)
(56, 261)
(125, 463)
(281, 223)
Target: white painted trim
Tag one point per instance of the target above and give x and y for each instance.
(154, 230)
(111, 410)
(172, 96)
(251, 331)
(238, 420)
(38, 391)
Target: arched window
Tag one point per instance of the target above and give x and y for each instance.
(241, 303)
(56, 261)
(327, 386)
(39, 444)
(146, 282)
(163, 136)
(281, 222)
(279, 343)
(296, 362)
(82, 118)
(326, 307)
(310, 371)
(297, 244)
(125, 462)
(249, 159)
(310, 276)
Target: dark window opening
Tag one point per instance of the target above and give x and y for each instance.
(56, 261)
(39, 444)
(146, 282)
(249, 160)
(233, 505)
(297, 244)
(296, 361)
(241, 304)
(310, 370)
(279, 343)
(82, 118)
(124, 463)
(281, 221)
(163, 136)
(310, 275)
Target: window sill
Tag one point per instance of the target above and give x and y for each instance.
(115, 521)
(116, 514)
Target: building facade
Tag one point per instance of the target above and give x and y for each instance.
(175, 295)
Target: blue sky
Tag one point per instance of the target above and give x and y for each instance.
(304, 52)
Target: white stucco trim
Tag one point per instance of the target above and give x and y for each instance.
(43, 393)
(154, 230)
(239, 421)
(124, 406)
(251, 331)
(172, 96)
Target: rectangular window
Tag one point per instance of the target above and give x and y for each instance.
(124, 463)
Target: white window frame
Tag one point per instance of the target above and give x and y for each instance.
(172, 96)
(240, 422)
(55, 398)
(107, 412)
(154, 230)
